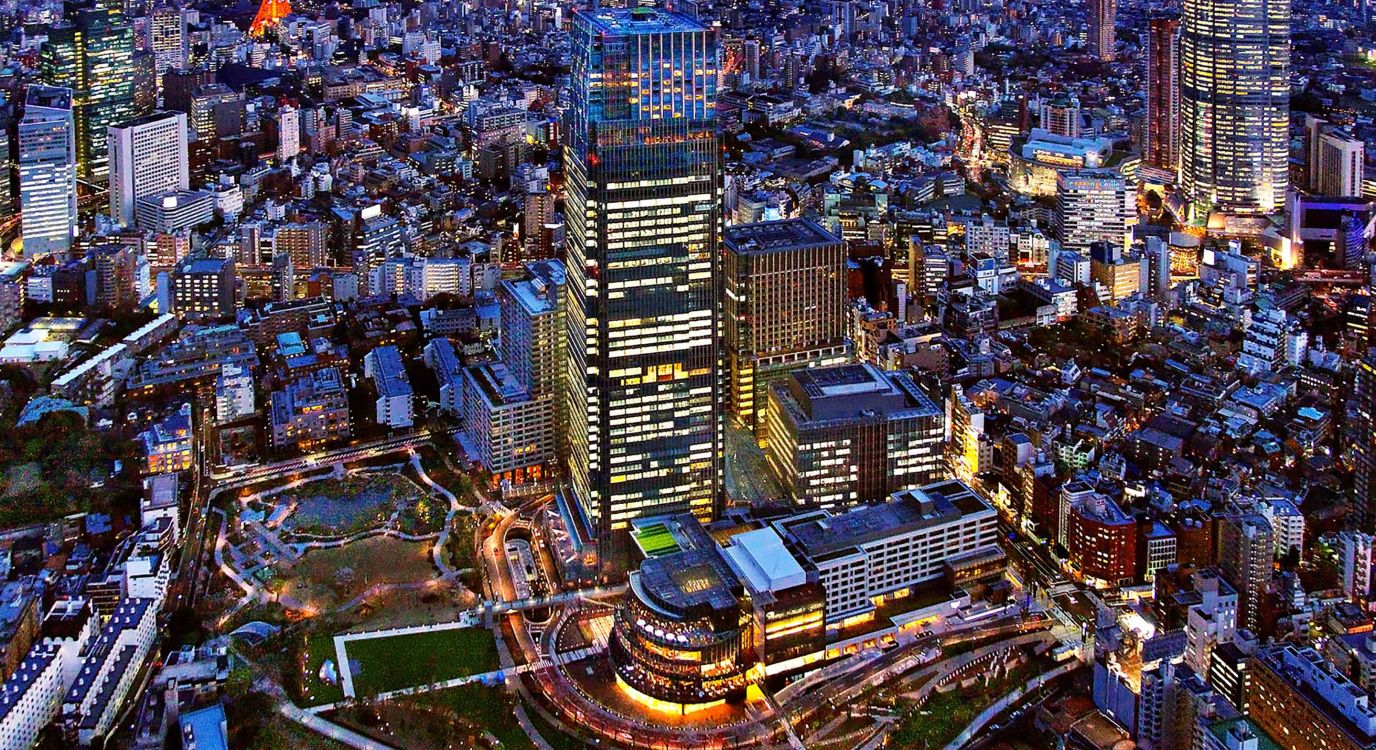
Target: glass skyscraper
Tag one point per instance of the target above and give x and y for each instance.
(644, 221)
(1235, 104)
(92, 53)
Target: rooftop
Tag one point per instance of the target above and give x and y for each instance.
(821, 534)
(638, 20)
(773, 236)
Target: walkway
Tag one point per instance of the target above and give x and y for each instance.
(1002, 704)
(437, 552)
(328, 728)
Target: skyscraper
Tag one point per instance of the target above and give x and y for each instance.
(92, 53)
(1101, 14)
(47, 171)
(1163, 92)
(1235, 104)
(148, 156)
(1364, 446)
(644, 180)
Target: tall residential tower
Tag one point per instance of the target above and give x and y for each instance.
(644, 170)
(1163, 92)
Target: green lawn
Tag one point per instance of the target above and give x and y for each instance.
(319, 647)
(405, 661)
(656, 540)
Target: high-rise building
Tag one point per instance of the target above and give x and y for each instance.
(1335, 158)
(644, 179)
(1246, 550)
(783, 308)
(202, 287)
(1363, 448)
(148, 156)
(92, 53)
(1163, 92)
(1092, 205)
(167, 38)
(1235, 104)
(288, 132)
(1101, 16)
(47, 171)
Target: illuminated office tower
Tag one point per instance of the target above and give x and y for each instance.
(1101, 15)
(1235, 104)
(1163, 92)
(148, 156)
(784, 308)
(92, 53)
(643, 216)
(47, 171)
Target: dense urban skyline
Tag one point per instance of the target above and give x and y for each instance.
(692, 375)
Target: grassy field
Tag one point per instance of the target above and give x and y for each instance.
(319, 647)
(405, 661)
(327, 578)
(656, 540)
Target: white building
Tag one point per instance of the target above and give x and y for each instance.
(234, 393)
(511, 433)
(1356, 560)
(875, 552)
(108, 670)
(148, 156)
(288, 132)
(439, 355)
(1287, 526)
(47, 171)
(394, 395)
(160, 500)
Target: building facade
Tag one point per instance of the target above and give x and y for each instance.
(643, 214)
(783, 307)
(1235, 104)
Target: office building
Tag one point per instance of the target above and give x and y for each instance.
(312, 411)
(174, 211)
(1335, 158)
(868, 555)
(644, 177)
(394, 405)
(1235, 105)
(1101, 15)
(92, 53)
(47, 171)
(850, 434)
(148, 157)
(705, 611)
(1163, 92)
(1093, 205)
(784, 308)
(202, 287)
(167, 38)
(1363, 448)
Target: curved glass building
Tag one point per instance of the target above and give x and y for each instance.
(1235, 104)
